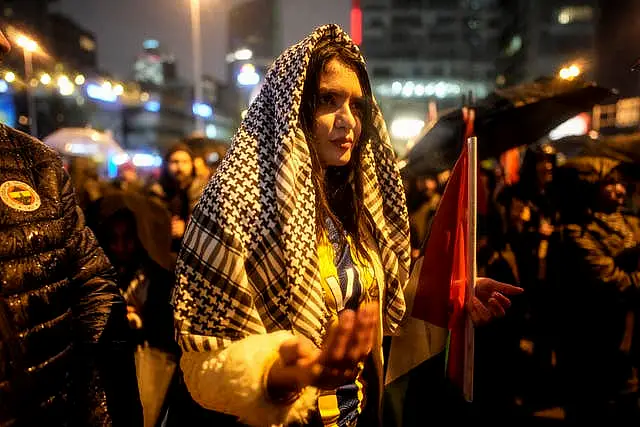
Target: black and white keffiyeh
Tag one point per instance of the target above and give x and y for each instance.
(249, 261)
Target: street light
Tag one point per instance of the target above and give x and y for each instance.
(196, 39)
(29, 46)
(570, 73)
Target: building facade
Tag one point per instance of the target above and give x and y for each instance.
(426, 52)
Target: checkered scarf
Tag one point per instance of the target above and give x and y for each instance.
(249, 263)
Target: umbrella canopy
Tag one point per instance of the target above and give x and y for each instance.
(83, 142)
(507, 118)
(624, 148)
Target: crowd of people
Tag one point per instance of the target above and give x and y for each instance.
(567, 231)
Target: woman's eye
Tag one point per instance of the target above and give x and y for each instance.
(327, 100)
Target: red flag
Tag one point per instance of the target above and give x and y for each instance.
(441, 292)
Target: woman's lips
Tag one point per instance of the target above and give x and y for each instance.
(343, 143)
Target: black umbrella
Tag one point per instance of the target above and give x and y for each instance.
(623, 149)
(507, 118)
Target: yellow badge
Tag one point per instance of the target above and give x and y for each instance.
(19, 196)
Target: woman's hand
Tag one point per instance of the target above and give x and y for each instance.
(347, 345)
(490, 301)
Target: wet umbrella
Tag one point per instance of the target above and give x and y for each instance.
(507, 118)
(624, 148)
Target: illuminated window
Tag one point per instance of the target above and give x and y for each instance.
(87, 44)
(572, 14)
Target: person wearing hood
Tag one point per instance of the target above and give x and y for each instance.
(597, 270)
(178, 189)
(295, 260)
(135, 237)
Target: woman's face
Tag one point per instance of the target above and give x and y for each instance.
(338, 118)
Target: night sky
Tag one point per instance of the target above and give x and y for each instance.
(122, 25)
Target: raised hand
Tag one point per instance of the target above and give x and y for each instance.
(344, 350)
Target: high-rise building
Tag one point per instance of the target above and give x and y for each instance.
(618, 34)
(154, 66)
(423, 51)
(72, 45)
(556, 34)
(253, 43)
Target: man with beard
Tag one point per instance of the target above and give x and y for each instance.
(178, 189)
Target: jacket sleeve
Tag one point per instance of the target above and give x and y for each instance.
(226, 348)
(598, 263)
(105, 384)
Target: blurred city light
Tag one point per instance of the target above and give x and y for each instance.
(396, 88)
(202, 110)
(4, 87)
(243, 54)
(101, 93)
(569, 73)
(65, 86)
(211, 131)
(118, 89)
(152, 106)
(45, 79)
(151, 44)
(406, 128)
(575, 126)
(146, 160)
(120, 159)
(144, 97)
(413, 89)
(27, 43)
(10, 76)
(248, 75)
(79, 79)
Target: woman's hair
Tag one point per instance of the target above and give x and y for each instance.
(339, 190)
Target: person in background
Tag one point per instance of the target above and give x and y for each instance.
(136, 238)
(127, 179)
(596, 265)
(64, 357)
(178, 189)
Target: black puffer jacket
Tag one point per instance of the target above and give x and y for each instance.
(64, 360)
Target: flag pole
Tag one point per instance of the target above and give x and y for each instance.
(472, 212)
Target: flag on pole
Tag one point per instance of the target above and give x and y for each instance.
(441, 282)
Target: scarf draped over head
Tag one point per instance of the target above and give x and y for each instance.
(249, 261)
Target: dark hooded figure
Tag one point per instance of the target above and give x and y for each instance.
(597, 278)
(135, 236)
